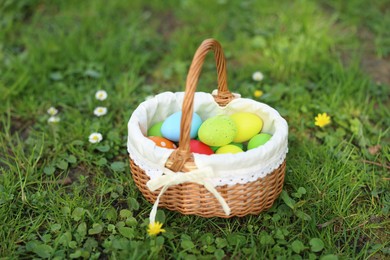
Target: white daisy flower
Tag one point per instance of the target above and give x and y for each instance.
(95, 138)
(52, 111)
(54, 119)
(257, 76)
(101, 95)
(100, 111)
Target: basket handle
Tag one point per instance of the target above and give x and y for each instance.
(181, 155)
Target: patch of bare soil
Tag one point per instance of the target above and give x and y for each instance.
(377, 68)
(167, 24)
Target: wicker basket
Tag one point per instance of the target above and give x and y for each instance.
(193, 198)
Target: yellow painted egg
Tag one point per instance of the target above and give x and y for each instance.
(248, 125)
(230, 148)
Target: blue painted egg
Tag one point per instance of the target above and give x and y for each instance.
(170, 129)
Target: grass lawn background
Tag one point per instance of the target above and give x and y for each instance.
(62, 197)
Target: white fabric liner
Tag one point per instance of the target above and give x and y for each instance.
(229, 169)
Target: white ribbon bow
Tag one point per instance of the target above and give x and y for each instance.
(170, 178)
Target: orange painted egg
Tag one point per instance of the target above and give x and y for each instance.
(162, 142)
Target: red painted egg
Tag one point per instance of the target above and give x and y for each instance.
(162, 142)
(199, 147)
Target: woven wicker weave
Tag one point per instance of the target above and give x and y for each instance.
(191, 198)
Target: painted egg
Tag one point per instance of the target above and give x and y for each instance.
(248, 125)
(230, 148)
(217, 131)
(199, 147)
(162, 142)
(258, 140)
(240, 145)
(170, 128)
(214, 148)
(155, 130)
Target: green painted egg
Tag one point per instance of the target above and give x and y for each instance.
(214, 148)
(241, 145)
(230, 148)
(258, 140)
(248, 125)
(155, 130)
(217, 131)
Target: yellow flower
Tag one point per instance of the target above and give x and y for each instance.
(258, 93)
(155, 228)
(322, 120)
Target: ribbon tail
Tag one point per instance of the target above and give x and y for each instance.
(153, 213)
(218, 196)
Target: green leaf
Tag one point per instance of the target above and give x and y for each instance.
(297, 246)
(276, 217)
(92, 73)
(316, 244)
(76, 254)
(71, 159)
(329, 257)
(55, 227)
(302, 215)
(279, 234)
(72, 244)
(46, 238)
(56, 76)
(121, 243)
(77, 142)
(103, 148)
(236, 239)
(31, 245)
(125, 213)
(210, 249)
(160, 216)
(126, 232)
(287, 199)
(96, 229)
(64, 239)
(110, 214)
(49, 170)
(219, 254)
(78, 213)
(82, 230)
(131, 221)
(118, 166)
(133, 203)
(301, 190)
(65, 210)
(160, 241)
(101, 162)
(63, 165)
(111, 228)
(221, 242)
(187, 244)
(42, 250)
(266, 239)
(90, 243)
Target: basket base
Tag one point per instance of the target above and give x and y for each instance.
(194, 199)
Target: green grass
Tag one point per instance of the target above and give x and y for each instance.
(62, 197)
